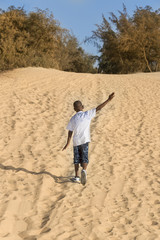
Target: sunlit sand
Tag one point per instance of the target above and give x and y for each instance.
(121, 200)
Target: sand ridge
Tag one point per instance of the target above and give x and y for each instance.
(121, 200)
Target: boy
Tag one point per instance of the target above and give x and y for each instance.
(80, 125)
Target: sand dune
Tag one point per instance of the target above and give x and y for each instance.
(121, 200)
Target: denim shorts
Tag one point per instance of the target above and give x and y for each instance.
(81, 153)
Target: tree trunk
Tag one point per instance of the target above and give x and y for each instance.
(145, 58)
(157, 67)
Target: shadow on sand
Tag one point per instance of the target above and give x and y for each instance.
(57, 179)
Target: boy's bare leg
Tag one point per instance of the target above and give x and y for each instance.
(84, 165)
(76, 170)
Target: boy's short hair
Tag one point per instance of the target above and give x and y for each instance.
(77, 104)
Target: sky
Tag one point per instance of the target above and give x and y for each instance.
(81, 16)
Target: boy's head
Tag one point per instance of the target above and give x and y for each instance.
(78, 106)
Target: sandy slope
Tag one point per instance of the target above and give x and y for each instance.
(121, 200)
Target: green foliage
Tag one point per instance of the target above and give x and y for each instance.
(133, 45)
(36, 39)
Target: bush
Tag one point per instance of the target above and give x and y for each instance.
(129, 44)
(36, 39)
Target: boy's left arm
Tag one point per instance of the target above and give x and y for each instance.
(68, 139)
(104, 103)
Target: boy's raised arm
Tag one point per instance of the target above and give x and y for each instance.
(104, 103)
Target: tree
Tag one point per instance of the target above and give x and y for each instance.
(12, 37)
(133, 46)
(36, 39)
(74, 58)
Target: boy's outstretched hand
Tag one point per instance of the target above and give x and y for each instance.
(111, 96)
(104, 103)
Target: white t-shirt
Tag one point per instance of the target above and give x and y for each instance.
(80, 125)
